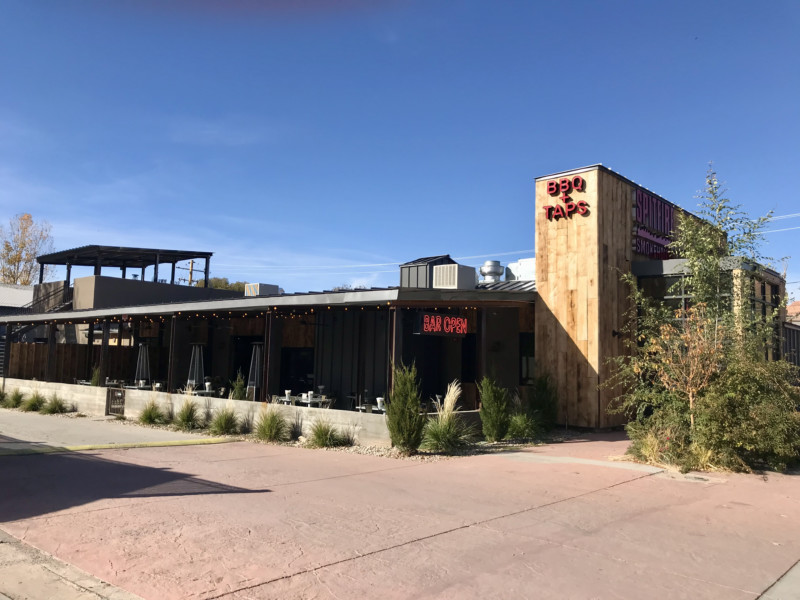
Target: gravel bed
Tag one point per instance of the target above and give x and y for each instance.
(555, 436)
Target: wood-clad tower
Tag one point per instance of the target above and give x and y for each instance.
(586, 237)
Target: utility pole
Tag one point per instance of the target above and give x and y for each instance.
(191, 271)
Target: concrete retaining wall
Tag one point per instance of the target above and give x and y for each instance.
(370, 429)
(86, 399)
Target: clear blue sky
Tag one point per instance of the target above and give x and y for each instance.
(298, 140)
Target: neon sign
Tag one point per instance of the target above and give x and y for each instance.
(565, 186)
(437, 324)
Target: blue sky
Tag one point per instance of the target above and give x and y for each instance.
(301, 140)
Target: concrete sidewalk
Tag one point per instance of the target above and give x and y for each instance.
(29, 574)
(28, 433)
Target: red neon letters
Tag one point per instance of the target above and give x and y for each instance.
(558, 212)
(443, 324)
(565, 186)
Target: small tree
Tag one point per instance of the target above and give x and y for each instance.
(238, 387)
(686, 354)
(403, 417)
(20, 243)
(495, 413)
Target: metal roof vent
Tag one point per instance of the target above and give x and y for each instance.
(492, 271)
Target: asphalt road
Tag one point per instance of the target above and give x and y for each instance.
(250, 521)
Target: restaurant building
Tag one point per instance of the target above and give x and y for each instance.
(563, 312)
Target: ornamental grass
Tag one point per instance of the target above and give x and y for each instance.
(224, 422)
(34, 403)
(447, 431)
(272, 426)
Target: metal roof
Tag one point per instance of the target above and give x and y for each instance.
(428, 260)
(509, 286)
(118, 256)
(366, 297)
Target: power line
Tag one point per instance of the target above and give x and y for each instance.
(778, 218)
(494, 254)
(297, 267)
(779, 230)
(300, 268)
(351, 273)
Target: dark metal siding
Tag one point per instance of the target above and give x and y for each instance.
(352, 353)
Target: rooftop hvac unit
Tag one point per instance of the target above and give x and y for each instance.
(261, 289)
(522, 270)
(454, 277)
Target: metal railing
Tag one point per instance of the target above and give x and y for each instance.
(51, 302)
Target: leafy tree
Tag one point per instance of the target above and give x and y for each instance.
(20, 243)
(686, 353)
(695, 381)
(222, 283)
(714, 247)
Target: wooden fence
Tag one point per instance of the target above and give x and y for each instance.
(29, 361)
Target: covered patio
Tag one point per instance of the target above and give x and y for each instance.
(340, 345)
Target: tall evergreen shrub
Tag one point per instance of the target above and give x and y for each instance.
(403, 416)
(495, 410)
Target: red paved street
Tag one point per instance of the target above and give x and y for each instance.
(246, 520)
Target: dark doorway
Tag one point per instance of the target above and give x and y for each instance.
(297, 369)
(242, 352)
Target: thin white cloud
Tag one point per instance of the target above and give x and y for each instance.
(225, 131)
(17, 194)
(16, 133)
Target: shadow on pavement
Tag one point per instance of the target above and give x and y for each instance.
(39, 484)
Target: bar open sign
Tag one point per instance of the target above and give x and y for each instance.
(439, 324)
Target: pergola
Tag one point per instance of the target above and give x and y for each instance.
(122, 258)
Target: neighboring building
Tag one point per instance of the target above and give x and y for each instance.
(793, 312)
(14, 297)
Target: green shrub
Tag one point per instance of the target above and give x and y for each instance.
(523, 426)
(403, 418)
(748, 417)
(151, 414)
(745, 419)
(664, 437)
(54, 405)
(188, 416)
(447, 431)
(14, 399)
(34, 403)
(238, 387)
(272, 426)
(2, 399)
(224, 422)
(494, 411)
(324, 435)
